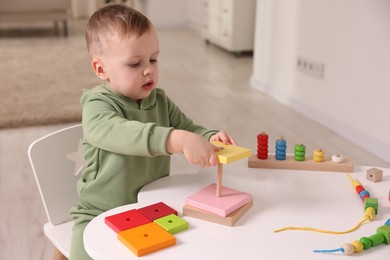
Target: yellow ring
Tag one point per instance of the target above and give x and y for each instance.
(319, 153)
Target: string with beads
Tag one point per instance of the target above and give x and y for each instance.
(370, 210)
(382, 236)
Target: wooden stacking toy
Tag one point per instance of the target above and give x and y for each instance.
(262, 146)
(298, 161)
(280, 149)
(216, 203)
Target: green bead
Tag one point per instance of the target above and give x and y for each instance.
(299, 158)
(299, 148)
(367, 243)
(385, 231)
(377, 239)
(300, 154)
(371, 202)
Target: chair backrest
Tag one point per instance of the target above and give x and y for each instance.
(57, 160)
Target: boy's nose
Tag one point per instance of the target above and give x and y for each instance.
(148, 70)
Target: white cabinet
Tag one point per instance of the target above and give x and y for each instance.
(229, 23)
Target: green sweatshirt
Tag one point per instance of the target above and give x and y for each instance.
(125, 146)
(125, 149)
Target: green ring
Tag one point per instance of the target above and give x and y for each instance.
(300, 148)
(367, 243)
(299, 154)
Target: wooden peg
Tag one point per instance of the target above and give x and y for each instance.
(219, 179)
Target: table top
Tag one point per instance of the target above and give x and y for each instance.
(324, 200)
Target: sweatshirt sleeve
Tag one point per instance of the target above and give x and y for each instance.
(180, 121)
(105, 127)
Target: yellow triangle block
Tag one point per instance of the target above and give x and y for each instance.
(231, 153)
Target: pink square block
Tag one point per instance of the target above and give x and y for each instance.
(229, 201)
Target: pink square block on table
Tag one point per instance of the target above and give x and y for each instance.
(229, 201)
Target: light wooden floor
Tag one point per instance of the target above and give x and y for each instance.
(211, 86)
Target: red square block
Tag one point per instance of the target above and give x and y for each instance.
(156, 211)
(126, 220)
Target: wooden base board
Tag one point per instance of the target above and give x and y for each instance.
(229, 220)
(308, 165)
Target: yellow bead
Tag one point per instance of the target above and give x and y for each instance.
(358, 246)
(369, 213)
(318, 159)
(355, 183)
(318, 153)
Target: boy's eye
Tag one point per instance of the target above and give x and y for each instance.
(153, 60)
(135, 65)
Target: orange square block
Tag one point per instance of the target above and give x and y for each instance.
(146, 239)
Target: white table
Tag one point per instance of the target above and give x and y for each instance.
(282, 198)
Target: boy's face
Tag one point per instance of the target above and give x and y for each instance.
(129, 65)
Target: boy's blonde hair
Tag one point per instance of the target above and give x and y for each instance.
(119, 19)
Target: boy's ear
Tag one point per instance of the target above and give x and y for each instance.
(98, 68)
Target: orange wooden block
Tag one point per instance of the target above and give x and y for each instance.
(229, 220)
(147, 238)
(307, 165)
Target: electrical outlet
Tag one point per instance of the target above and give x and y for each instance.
(310, 67)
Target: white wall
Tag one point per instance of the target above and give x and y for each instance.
(195, 14)
(166, 13)
(352, 38)
(163, 13)
(173, 13)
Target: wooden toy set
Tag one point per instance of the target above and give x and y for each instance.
(318, 162)
(151, 228)
(370, 210)
(147, 229)
(298, 161)
(216, 203)
(382, 235)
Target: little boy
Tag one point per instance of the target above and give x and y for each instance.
(130, 126)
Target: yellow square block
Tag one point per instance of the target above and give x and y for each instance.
(147, 238)
(231, 153)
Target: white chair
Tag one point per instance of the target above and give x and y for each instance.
(56, 160)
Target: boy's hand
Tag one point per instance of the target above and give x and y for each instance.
(194, 147)
(223, 137)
